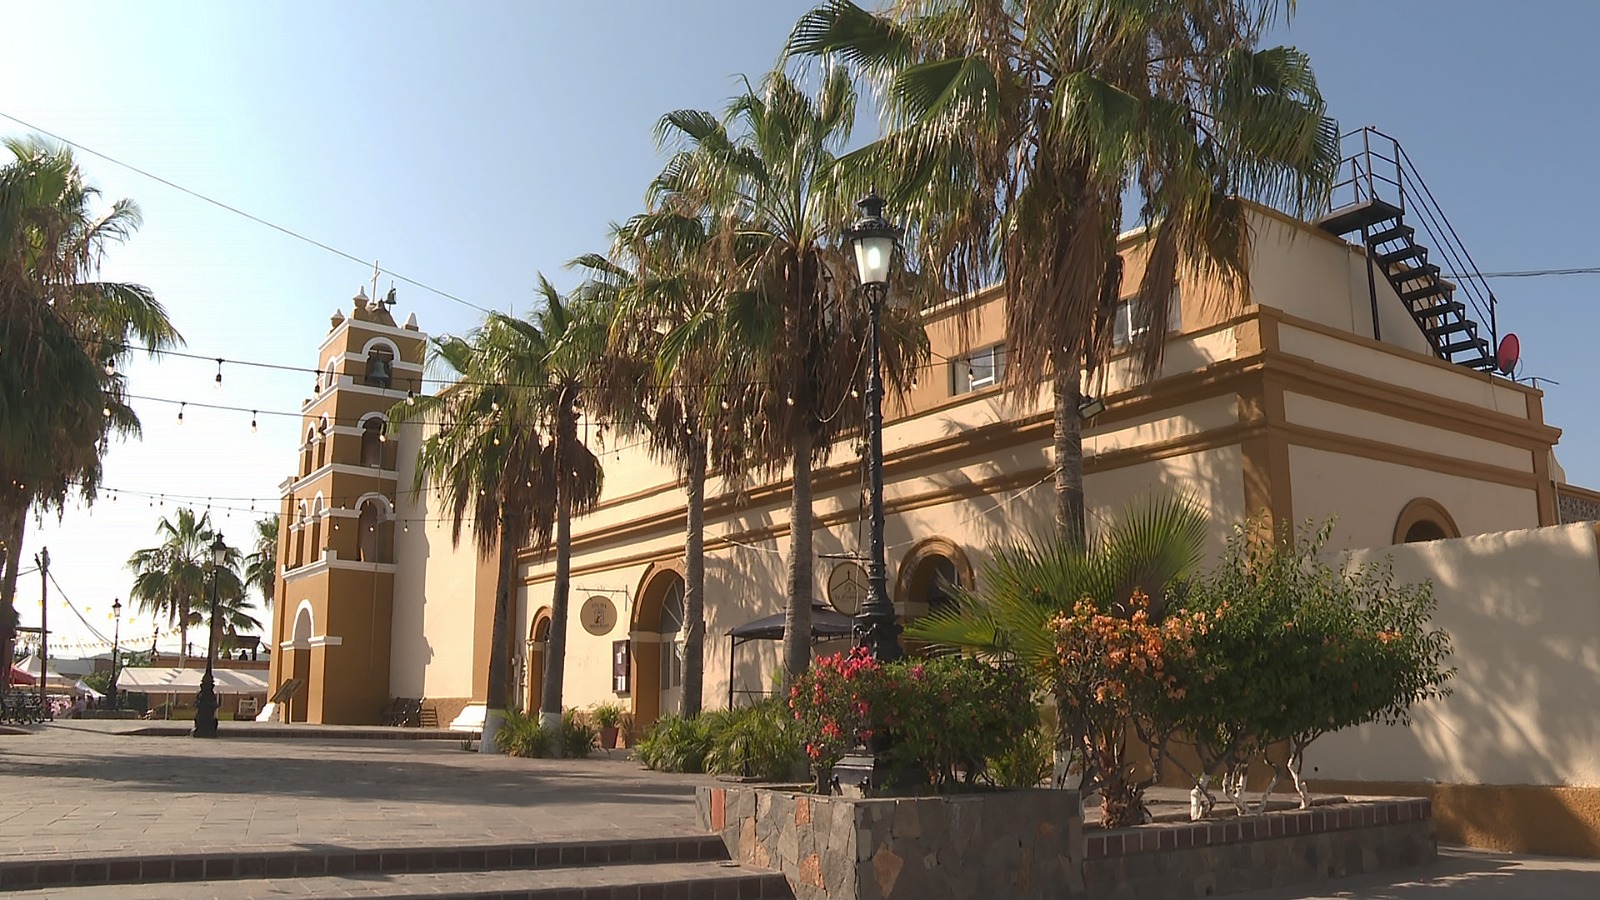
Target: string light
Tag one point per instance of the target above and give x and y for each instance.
(219, 372)
(181, 407)
(105, 412)
(252, 421)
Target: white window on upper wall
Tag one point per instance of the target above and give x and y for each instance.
(1123, 330)
(978, 370)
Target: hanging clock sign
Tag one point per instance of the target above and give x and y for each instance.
(599, 615)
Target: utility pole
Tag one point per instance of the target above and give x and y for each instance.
(43, 560)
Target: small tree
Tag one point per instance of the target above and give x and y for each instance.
(1300, 646)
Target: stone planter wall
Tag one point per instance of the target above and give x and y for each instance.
(1032, 844)
(1012, 844)
(1183, 860)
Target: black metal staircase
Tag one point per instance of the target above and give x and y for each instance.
(1454, 310)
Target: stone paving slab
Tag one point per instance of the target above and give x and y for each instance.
(1465, 875)
(662, 881)
(71, 789)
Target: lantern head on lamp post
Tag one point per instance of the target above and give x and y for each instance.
(205, 703)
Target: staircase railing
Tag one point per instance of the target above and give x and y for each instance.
(1377, 168)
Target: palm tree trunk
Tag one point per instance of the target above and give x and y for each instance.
(797, 617)
(556, 649)
(494, 696)
(694, 588)
(13, 521)
(183, 637)
(1068, 452)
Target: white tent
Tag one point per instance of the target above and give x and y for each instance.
(162, 680)
(56, 681)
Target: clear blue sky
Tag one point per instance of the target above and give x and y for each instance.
(470, 145)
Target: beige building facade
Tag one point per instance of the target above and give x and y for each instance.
(1278, 402)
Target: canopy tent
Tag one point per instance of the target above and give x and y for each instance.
(82, 687)
(32, 666)
(826, 625)
(21, 678)
(163, 680)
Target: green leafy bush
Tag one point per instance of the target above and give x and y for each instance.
(947, 716)
(675, 744)
(1028, 762)
(1298, 647)
(577, 735)
(759, 741)
(520, 735)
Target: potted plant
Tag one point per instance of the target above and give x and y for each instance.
(608, 716)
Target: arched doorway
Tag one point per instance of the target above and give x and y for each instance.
(928, 575)
(300, 663)
(657, 605)
(538, 641)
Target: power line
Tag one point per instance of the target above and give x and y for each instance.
(1530, 273)
(254, 218)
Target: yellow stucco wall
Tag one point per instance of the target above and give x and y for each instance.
(1523, 612)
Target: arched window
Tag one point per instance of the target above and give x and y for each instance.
(300, 536)
(376, 533)
(372, 441)
(322, 442)
(316, 528)
(1424, 519)
(306, 451)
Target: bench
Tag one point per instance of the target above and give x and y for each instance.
(404, 712)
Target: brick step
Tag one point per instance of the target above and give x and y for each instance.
(214, 866)
(641, 881)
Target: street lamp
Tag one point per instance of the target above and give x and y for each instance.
(205, 704)
(116, 637)
(874, 239)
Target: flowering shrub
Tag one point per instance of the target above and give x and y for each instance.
(947, 716)
(1113, 667)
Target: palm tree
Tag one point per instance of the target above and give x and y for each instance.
(261, 565)
(66, 334)
(174, 578)
(1017, 129)
(666, 281)
(1154, 547)
(790, 345)
(504, 451)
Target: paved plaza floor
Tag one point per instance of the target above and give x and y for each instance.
(75, 788)
(71, 789)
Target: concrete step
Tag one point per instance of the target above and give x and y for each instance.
(640, 881)
(215, 866)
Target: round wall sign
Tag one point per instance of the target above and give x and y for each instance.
(599, 615)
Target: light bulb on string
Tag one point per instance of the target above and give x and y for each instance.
(105, 412)
(111, 367)
(181, 407)
(854, 394)
(252, 421)
(726, 405)
(789, 400)
(219, 373)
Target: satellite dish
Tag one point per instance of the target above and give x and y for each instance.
(1509, 354)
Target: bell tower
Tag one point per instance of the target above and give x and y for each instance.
(331, 619)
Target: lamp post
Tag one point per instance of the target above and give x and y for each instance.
(874, 239)
(863, 771)
(116, 637)
(205, 703)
